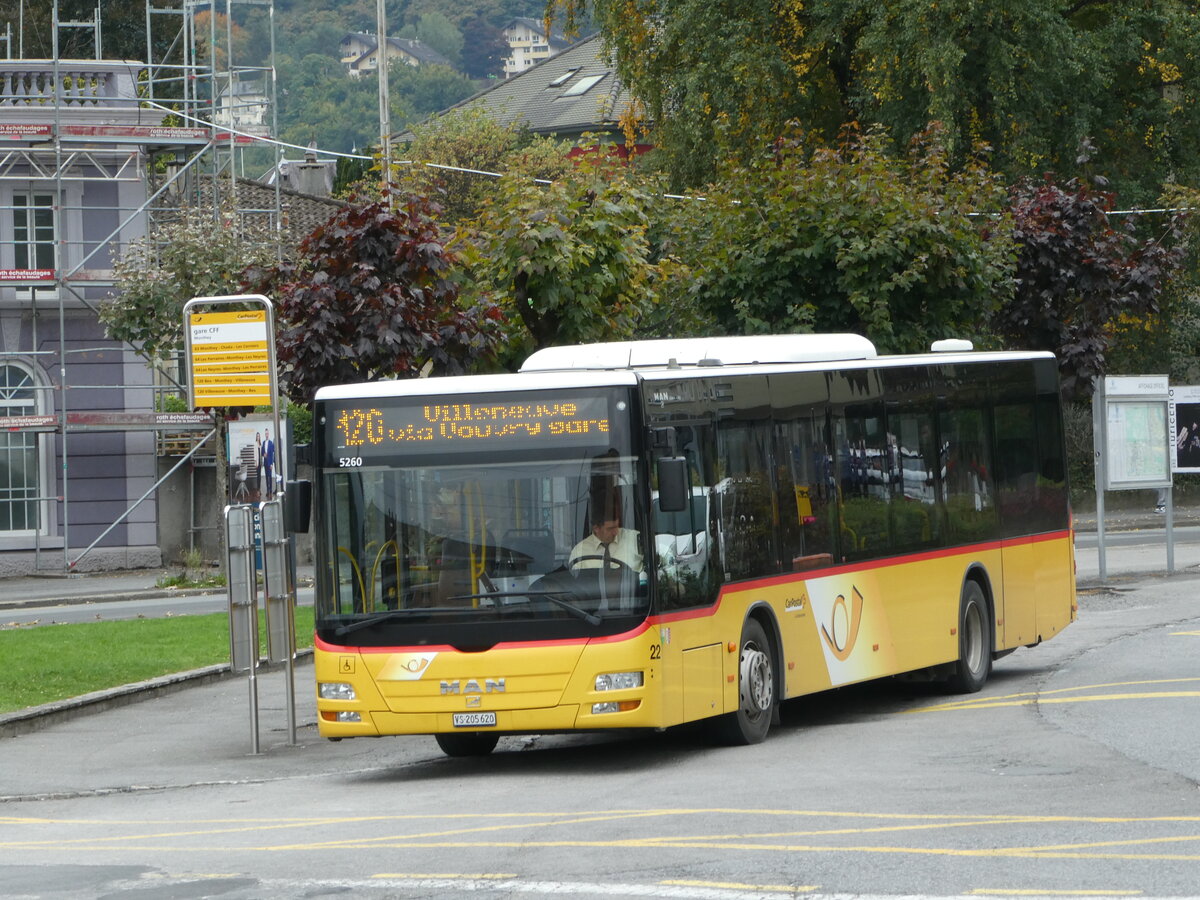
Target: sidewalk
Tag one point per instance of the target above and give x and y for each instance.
(100, 587)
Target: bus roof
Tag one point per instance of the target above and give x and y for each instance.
(675, 353)
(624, 362)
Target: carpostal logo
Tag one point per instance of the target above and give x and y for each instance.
(840, 633)
(796, 604)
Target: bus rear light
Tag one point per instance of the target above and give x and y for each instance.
(335, 690)
(611, 707)
(619, 681)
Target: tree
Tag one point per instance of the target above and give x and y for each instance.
(434, 29)
(123, 30)
(471, 139)
(202, 254)
(1031, 78)
(373, 295)
(570, 260)
(484, 48)
(817, 240)
(1078, 272)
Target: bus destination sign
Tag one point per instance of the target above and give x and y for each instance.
(366, 429)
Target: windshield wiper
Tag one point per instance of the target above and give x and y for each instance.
(577, 611)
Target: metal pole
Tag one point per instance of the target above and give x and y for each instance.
(385, 120)
(1100, 476)
(1170, 529)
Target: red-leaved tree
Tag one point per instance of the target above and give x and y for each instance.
(372, 295)
(1078, 269)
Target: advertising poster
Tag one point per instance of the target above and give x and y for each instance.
(256, 469)
(1185, 428)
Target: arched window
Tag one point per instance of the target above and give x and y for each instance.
(20, 469)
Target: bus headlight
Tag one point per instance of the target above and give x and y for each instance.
(335, 690)
(618, 681)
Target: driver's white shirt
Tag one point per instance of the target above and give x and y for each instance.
(623, 549)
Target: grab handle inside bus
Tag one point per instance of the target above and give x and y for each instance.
(673, 483)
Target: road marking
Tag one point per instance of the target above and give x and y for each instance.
(1029, 698)
(732, 885)
(1038, 892)
(489, 831)
(671, 890)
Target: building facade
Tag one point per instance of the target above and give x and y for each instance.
(529, 44)
(77, 414)
(360, 53)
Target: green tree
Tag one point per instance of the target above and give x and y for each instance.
(434, 29)
(470, 139)
(1031, 78)
(202, 254)
(852, 239)
(373, 295)
(570, 260)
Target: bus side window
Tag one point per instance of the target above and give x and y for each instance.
(967, 493)
(804, 467)
(865, 479)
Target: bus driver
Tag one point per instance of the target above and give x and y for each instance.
(608, 541)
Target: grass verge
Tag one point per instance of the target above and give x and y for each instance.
(53, 662)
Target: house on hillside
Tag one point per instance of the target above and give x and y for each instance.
(573, 93)
(360, 53)
(529, 44)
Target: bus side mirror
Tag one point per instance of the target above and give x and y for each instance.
(297, 506)
(673, 483)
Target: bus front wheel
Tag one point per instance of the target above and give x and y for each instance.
(467, 743)
(756, 690)
(974, 641)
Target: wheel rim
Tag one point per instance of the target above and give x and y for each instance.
(757, 687)
(973, 638)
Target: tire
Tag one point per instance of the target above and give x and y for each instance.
(756, 690)
(467, 743)
(974, 641)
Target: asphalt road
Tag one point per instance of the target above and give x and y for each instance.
(1073, 773)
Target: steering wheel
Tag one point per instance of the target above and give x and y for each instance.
(614, 564)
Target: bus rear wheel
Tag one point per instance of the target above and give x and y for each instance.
(974, 641)
(756, 690)
(467, 743)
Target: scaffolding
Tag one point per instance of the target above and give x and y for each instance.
(95, 154)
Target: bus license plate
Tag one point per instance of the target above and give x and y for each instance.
(474, 720)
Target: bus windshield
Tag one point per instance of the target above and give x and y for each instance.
(472, 549)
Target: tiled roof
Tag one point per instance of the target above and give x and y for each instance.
(301, 213)
(542, 97)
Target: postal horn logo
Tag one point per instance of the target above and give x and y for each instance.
(841, 632)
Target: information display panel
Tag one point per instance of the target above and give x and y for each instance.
(365, 432)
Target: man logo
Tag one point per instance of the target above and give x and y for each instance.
(842, 632)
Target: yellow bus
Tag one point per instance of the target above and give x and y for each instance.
(642, 534)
